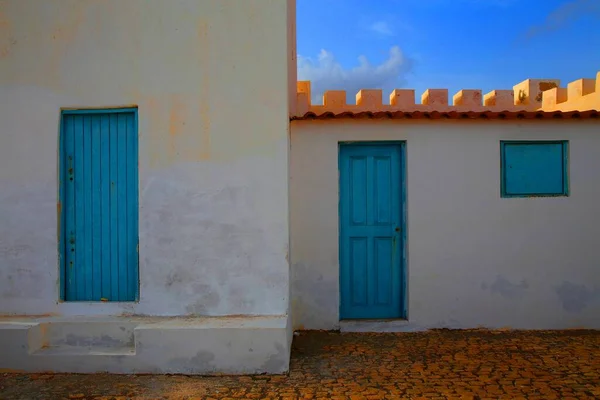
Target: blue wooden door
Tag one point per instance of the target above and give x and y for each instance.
(99, 194)
(371, 231)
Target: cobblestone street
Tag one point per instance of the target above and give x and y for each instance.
(434, 365)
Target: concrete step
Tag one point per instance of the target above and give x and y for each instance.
(18, 338)
(187, 345)
(89, 333)
(84, 351)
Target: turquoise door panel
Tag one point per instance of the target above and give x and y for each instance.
(99, 190)
(371, 231)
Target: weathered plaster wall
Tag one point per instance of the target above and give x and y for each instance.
(213, 128)
(292, 59)
(474, 258)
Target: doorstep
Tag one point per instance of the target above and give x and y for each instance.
(378, 325)
(176, 345)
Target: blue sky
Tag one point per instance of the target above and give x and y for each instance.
(454, 44)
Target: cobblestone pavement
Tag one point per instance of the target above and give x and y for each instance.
(434, 365)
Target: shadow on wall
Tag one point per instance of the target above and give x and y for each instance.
(505, 288)
(575, 298)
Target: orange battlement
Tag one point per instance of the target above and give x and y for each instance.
(531, 95)
(582, 95)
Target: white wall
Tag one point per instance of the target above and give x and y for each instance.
(474, 258)
(210, 79)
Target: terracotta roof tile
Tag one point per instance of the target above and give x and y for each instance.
(501, 115)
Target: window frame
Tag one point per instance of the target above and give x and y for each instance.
(565, 168)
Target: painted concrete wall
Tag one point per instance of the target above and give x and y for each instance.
(213, 123)
(474, 258)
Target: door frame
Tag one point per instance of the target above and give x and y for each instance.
(403, 222)
(61, 196)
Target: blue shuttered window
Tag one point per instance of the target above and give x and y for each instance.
(534, 168)
(99, 196)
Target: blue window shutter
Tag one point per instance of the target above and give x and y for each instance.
(533, 169)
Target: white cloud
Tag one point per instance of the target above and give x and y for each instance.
(382, 28)
(326, 73)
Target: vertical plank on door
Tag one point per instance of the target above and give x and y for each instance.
(96, 210)
(132, 207)
(88, 267)
(114, 215)
(80, 237)
(68, 207)
(121, 197)
(105, 194)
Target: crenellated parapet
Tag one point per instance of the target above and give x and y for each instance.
(499, 99)
(582, 95)
(529, 95)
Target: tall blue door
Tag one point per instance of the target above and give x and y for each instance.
(99, 193)
(371, 231)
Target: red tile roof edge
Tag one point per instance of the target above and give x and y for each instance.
(501, 115)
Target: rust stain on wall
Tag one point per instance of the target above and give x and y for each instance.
(62, 36)
(7, 41)
(13, 371)
(153, 115)
(43, 333)
(177, 121)
(33, 316)
(204, 108)
(67, 29)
